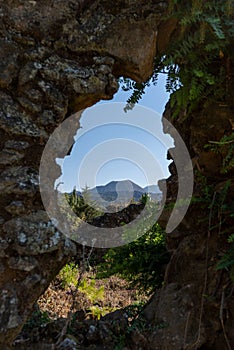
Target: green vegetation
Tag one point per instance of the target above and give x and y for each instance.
(224, 147)
(201, 46)
(141, 262)
(227, 261)
(93, 293)
(198, 67)
(219, 218)
(82, 206)
(197, 63)
(68, 276)
(37, 319)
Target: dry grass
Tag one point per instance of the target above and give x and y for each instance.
(57, 301)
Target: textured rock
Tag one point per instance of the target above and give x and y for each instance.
(9, 65)
(19, 180)
(16, 121)
(56, 58)
(186, 312)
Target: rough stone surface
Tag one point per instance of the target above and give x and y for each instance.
(186, 312)
(56, 58)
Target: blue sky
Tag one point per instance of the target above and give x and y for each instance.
(114, 145)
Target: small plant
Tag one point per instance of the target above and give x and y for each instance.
(96, 312)
(224, 147)
(221, 214)
(144, 198)
(227, 261)
(93, 293)
(68, 275)
(121, 342)
(37, 319)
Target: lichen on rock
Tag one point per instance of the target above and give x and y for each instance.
(56, 58)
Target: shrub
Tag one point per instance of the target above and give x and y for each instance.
(141, 262)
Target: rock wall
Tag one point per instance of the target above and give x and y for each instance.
(59, 57)
(196, 297)
(56, 58)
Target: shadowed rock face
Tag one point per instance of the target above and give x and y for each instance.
(56, 58)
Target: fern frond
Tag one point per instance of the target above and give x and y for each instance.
(216, 25)
(231, 238)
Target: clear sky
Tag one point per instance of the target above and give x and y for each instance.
(114, 145)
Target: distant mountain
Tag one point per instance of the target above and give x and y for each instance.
(121, 185)
(152, 189)
(121, 192)
(117, 193)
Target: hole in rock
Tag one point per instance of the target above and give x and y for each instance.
(118, 156)
(115, 159)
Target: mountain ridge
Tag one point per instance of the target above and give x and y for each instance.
(112, 185)
(120, 191)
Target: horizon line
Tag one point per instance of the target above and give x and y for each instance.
(107, 183)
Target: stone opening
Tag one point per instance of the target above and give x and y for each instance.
(101, 124)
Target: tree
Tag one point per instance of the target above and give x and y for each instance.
(82, 205)
(141, 262)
